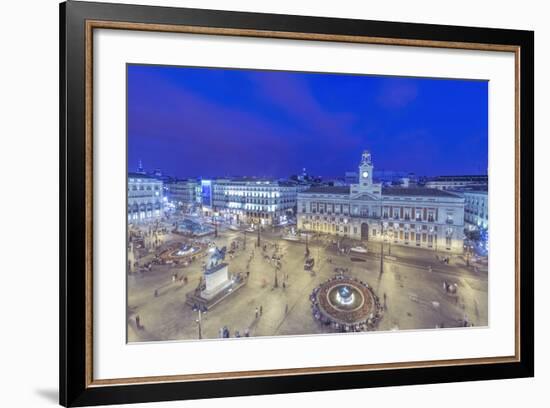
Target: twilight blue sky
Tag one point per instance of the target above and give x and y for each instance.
(209, 122)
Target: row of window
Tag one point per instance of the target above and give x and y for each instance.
(138, 196)
(389, 227)
(403, 236)
(141, 187)
(254, 200)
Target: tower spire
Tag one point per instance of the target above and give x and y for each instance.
(365, 172)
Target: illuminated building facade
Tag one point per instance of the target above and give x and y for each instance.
(476, 208)
(458, 182)
(145, 198)
(416, 217)
(182, 193)
(268, 202)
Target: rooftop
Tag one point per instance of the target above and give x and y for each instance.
(328, 190)
(254, 180)
(476, 191)
(416, 191)
(141, 176)
(386, 191)
(472, 177)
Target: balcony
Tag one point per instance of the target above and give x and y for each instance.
(368, 216)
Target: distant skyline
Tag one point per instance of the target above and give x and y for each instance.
(209, 122)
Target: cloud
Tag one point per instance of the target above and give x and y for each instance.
(397, 93)
(201, 133)
(293, 96)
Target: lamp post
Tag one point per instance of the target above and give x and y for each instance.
(215, 225)
(259, 226)
(201, 309)
(387, 237)
(382, 258)
(276, 280)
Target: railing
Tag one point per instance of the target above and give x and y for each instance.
(369, 216)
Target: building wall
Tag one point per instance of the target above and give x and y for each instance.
(182, 192)
(267, 202)
(476, 208)
(434, 223)
(145, 199)
(458, 183)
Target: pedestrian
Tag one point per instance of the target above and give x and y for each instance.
(156, 292)
(257, 313)
(261, 309)
(246, 332)
(138, 324)
(286, 309)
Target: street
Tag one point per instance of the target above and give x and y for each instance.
(412, 284)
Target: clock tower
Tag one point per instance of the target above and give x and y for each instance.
(365, 184)
(365, 171)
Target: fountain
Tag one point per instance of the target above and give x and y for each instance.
(181, 252)
(346, 304)
(193, 228)
(345, 296)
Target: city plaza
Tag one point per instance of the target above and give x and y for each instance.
(411, 285)
(361, 257)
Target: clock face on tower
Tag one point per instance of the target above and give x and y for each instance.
(365, 174)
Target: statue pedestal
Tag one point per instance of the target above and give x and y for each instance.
(216, 280)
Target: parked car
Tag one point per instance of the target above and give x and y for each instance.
(359, 249)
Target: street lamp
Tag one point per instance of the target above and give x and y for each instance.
(382, 258)
(215, 224)
(259, 227)
(387, 237)
(276, 281)
(468, 254)
(201, 309)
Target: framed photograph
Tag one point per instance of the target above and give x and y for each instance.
(257, 204)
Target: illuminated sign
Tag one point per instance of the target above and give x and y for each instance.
(206, 192)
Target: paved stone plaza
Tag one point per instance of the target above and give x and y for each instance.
(411, 288)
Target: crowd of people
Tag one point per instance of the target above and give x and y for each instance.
(225, 333)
